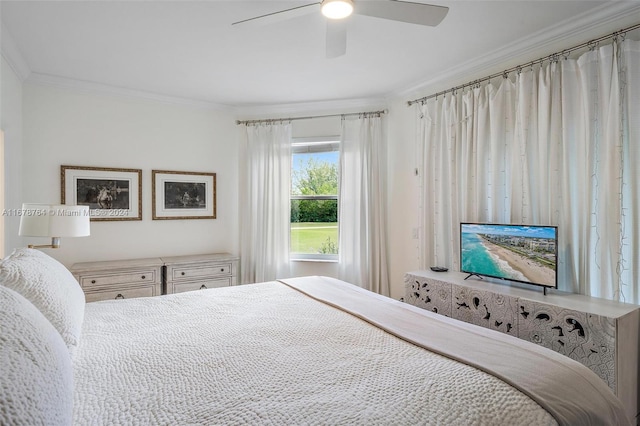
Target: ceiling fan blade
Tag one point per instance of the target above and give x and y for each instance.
(403, 11)
(281, 15)
(336, 38)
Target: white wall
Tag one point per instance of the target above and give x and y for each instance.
(11, 124)
(403, 196)
(67, 127)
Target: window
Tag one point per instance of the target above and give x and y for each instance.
(314, 198)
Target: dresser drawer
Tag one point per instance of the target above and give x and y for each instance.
(180, 287)
(192, 272)
(115, 294)
(196, 272)
(133, 277)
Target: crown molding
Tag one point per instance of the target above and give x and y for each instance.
(10, 52)
(596, 21)
(90, 87)
(306, 108)
(588, 25)
(242, 112)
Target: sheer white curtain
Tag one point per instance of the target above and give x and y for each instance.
(631, 192)
(265, 186)
(555, 145)
(610, 77)
(362, 216)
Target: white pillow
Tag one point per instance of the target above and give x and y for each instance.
(51, 288)
(36, 384)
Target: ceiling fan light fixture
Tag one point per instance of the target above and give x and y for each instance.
(337, 9)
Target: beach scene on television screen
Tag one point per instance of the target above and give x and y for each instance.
(521, 253)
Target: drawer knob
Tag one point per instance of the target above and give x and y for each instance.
(203, 287)
(119, 296)
(144, 276)
(182, 273)
(221, 269)
(93, 281)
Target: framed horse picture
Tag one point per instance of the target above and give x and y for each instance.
(110, 193)
(183, 195)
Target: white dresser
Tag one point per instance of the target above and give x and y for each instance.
(124, 279)
(119, 279)
(198, 272)
(599, 333)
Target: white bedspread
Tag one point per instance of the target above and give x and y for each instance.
(267, 354)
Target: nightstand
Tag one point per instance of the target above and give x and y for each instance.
(119, 279)
(199, 272)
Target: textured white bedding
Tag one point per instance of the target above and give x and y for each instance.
(568, 390)
(267, 354)
(50, 287)
(35, 366)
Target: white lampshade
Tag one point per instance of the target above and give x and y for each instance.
(46, 220)
(337, 9)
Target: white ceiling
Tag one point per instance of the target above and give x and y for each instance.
(189, 50)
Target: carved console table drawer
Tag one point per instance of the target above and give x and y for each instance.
(589, 339)
(188, 273)
(601, 334)
(430, 294)
(119, 279)
(486, 309)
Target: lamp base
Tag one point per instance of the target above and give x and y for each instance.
(55, 243)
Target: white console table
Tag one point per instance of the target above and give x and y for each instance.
(599, 333)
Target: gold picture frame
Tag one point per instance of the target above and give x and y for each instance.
(112, 194)
(183, 195)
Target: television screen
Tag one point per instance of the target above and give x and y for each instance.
(523, 253)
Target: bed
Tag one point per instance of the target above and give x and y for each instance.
(311, 350)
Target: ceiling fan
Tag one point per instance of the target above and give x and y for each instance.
(337, 10)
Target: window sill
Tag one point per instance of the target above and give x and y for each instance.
(298, 259)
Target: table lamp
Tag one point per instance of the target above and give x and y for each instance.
(55, 221)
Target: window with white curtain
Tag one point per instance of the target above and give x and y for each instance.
(314, 198)
(555, 144)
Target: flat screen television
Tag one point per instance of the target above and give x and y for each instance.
(523, 253)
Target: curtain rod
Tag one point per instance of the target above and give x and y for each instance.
(592, 44)
(274, 120)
